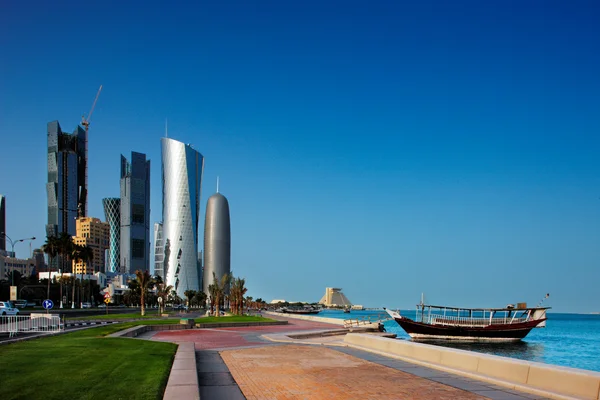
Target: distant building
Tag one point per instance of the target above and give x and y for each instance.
(2, 222)
(217, 240)
(335, 298)
(135, 214)
(26, 267)
(40, 263)
(96, 234)
(159, 251)
(112, 214)
(182, 168)
(67, 179)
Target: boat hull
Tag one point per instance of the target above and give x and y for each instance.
(491, 333)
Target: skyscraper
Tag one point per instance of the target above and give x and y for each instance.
(182, 168)
(2, 222)
(217, 240)
(67, 180)
(93, 233)
(112, 213)
(159, 251)
(135, 213)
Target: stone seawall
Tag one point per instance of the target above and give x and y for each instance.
(528, 376)
(313, 318)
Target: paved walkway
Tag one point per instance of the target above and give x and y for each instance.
(238, 363)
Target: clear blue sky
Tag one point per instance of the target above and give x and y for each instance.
(388, 148)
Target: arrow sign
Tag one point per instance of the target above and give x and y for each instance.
(47, 304)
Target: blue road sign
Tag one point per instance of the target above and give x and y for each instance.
(47, 304)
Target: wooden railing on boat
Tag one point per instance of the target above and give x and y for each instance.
(471, 321)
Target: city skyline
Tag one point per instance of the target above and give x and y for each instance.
(435, 143)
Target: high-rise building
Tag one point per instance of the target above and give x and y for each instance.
(67, 179)
(135, 213)
(182, 168)
(2, 222)
(159, 251)
(96, 234)
(112, 214)
(217, 240)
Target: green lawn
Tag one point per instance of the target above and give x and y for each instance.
(135, 315)
(233, 318)
(86, 365)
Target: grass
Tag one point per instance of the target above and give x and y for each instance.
(87, 365)
(135, 315)
(233, 318)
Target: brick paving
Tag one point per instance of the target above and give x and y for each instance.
(307, 372)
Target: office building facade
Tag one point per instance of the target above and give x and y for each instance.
(182, 168)
(135, 214)
(159, 251)
(217, 240)
(96, 234)
(112, 214)
(67, 181)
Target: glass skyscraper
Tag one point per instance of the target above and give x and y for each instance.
(67, 179)
(159, 251)
(182, 168)
(112, 213)
(135, 214)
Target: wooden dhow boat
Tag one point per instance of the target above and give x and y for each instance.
(472, 324)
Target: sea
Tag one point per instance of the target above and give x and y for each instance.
(570, 340)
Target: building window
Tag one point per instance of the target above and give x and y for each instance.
(138, 216)
(137, 248)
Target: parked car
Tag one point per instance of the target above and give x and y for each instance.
(101, 305)
(86, 305)
(7, 308)
(20, 303)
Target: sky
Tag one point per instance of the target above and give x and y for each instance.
(389, 148)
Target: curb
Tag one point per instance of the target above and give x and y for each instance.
(183, 379)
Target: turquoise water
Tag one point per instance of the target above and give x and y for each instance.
(570, 340)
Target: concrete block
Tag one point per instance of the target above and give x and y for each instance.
(183, 377)
(182, 392)
(459, 360)
(184, 363)
(582, 384)
(502, 368)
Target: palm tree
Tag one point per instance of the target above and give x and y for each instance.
(51, 249)
(189, 294)
(221, 286)
(163, 293)
(212, 291)
(64, 249)
(143, 279)
(86, 255)
(200, 299)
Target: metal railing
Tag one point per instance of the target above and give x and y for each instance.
(14, 324)
(365, 320)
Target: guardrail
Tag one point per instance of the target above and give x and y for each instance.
(365, 320)
(13, 324)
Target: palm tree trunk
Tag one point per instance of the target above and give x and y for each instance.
(142, 299)
(48, 294)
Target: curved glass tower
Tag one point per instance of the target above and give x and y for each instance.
(182, 168)
(112, 213)
(217, 240)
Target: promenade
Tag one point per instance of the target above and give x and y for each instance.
(241, 363)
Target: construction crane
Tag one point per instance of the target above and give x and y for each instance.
(82, 203)
(86, 121)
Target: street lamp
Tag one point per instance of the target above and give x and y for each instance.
(12, 245)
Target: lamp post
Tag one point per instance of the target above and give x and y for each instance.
(12, 245)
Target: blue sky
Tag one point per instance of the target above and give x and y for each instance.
(388, 148)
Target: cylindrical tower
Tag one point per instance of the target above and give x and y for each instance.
(217, 240)
(182, 169)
